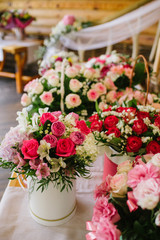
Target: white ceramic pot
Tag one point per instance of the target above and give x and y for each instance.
(51, 207)
(117, 159)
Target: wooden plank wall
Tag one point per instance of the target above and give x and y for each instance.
(49, 12)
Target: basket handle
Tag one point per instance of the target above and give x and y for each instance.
(148, 77)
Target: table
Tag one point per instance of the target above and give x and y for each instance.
(23, 52)
(17, 224)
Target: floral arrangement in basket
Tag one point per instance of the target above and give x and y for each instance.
(128, 203)
(117, 69)
(15, 18)
(73, 88)
(56, 60)
(49, 146)
(68, 24)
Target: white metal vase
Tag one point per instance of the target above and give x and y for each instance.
(51, 207)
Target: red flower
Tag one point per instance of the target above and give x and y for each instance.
(110, 121)
(29, 149)
(83, 127)
(133, 144)
(59, 59)
(142, 115)
(139, 127)
(157, 122)
(108, 109)
(131, 112)
(115, 131)
(65, 147)
(120, 109)
(153, 147)
(96, 126)
(47, 116)
(93, 118)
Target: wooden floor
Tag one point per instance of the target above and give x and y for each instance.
(9, 105)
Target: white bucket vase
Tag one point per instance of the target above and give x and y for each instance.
(51, 207)
(117, 159)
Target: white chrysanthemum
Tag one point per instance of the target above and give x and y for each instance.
(43, 150)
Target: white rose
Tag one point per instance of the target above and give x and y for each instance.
(53, 80)
(75, 85)
(25, 100)
(72, 101)
(37, 88)
(71, 72)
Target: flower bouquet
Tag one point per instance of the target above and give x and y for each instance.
(56, 61)
(15, 19)
(73, 88)
(128, 203)
(51, 150)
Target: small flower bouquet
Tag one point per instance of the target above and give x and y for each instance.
(15, 19)
(49, 147)
(128, 130)
(77, 91)
(56, 61)
(128, 203)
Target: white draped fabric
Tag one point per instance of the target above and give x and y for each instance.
(114, 31)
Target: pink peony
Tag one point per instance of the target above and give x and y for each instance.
(72, 101)
(34, 163)
(68, 19)
(42, 171)
(29, 149)
(103, 208)
(77, 137)
(25, 100)
(142, 172)
(51, 139)
(147, 193)
(92, 95)
(48, 116)
(46, 98)
(58, 128)
(100, 88)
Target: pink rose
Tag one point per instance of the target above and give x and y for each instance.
(139, 96)
(77, 137)
(48, 116)
(43, 171)
(51, 139)
(71, 72)
(103, 189)
(46, 98)
(142, 172)
(29, 149)
(75, 85)
(72, 100)
(49, 72)
(58, 128)
(92, 95)
(65, 148)
(74, 115)
(147, 193)
(106, 230)
(89, 73)
(34, 163)
(57, 113)
(25, 100)
(124, 167)
(109, 84)
(100, 88)
(83, 127)
(111, 96)
(118, 185)
(103, 208)
(68, 19)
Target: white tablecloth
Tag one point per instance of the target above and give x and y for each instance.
(31, 45)
(16, 222)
